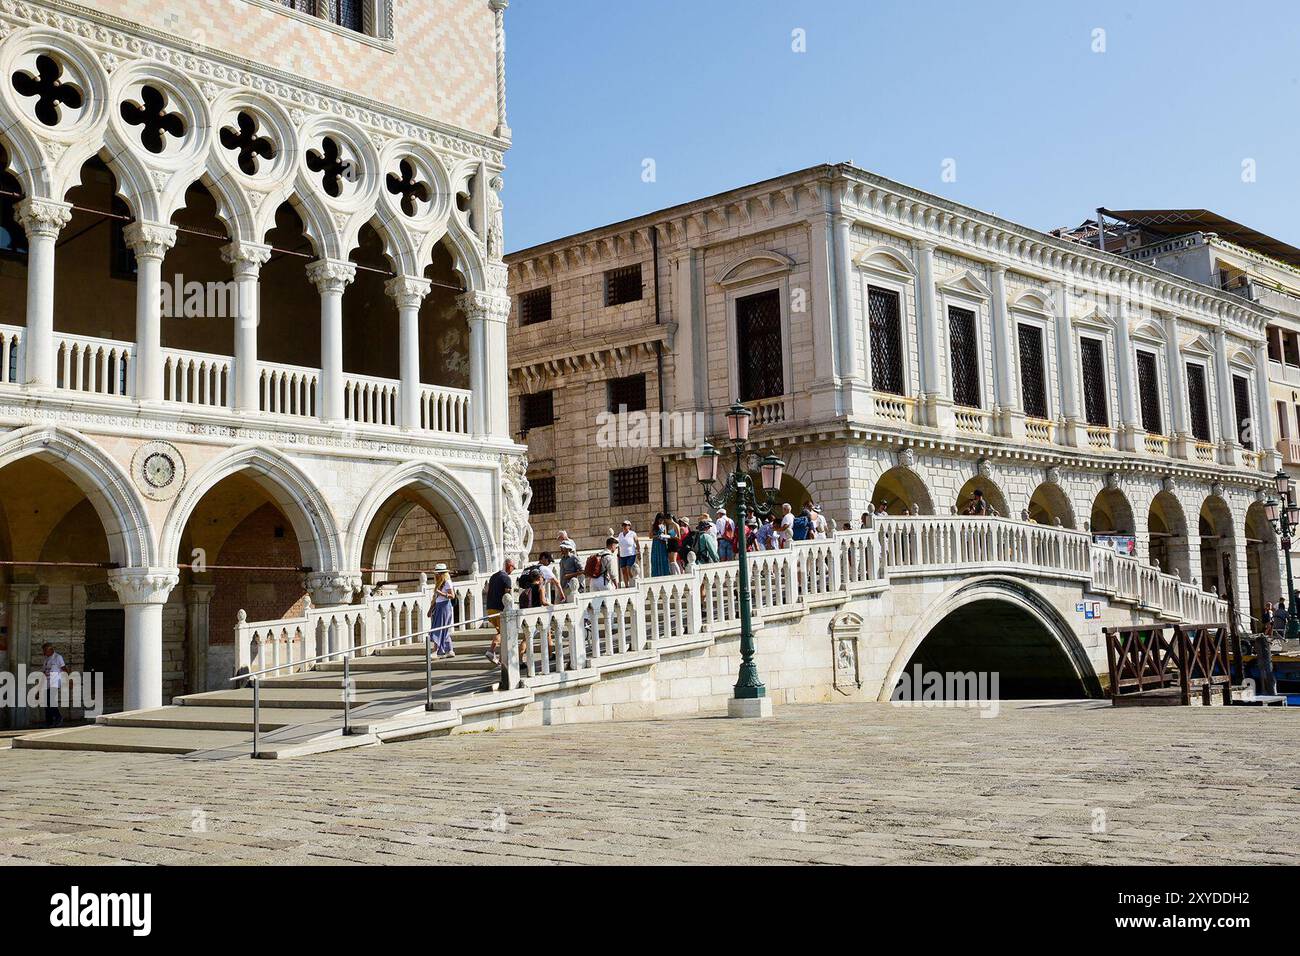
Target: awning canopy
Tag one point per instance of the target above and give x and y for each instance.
(1177, 222)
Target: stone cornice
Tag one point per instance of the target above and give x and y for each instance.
(119, 39)
(552, 361)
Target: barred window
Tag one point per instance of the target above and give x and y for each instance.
(344, 13)
(623, 285)
(543, 502)
(626, 394)
(629, 486)
(536, 410)
(886, 340)
(1198, 401)
(1149, 393)
(758, 341)
(964, 352)
(1033, 381)
(1241, 404)
(535, 306)
(1094, 382)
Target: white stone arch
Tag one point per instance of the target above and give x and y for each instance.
(410, 240)
(108, 488)
(753, 265)
(886, 259)
(333, 222)
(287, 485)
(441, 493)
(467, 254)
(252, 199)
(1036, 302)
(47, 160)
(1013, 591)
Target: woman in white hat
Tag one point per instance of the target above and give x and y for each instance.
(440, 612)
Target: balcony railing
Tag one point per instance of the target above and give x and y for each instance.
(193, 378)
(1289, 449)
(11, 354)
(370, 401)
(770, 411)
(289, 390)
(98, 366)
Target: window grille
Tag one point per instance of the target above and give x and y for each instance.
(629, 486)
(1033, 382)
(626, 394)
(758, 343)
(1149, 393)
(964, 351)
(535, 306)
(543, 502)
(886, 341)
(623, 285)
(1241, 404)
(1094, 382)
(1198, 401)
(536, 411)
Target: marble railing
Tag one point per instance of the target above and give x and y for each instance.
(100, 366)
(11, 354)
(193, 378)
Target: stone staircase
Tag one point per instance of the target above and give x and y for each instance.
(303, 712)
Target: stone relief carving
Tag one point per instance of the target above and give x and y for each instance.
(516, 495)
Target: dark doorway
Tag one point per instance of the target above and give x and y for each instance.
(105, 647)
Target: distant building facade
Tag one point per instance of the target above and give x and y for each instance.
(899, 351)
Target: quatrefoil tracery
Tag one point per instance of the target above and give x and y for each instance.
(52, 92)
(156, 122)
(408, 187)
(334, 169)
(245, 142)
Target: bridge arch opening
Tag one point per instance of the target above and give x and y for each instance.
(1050, 505)
(1167, 528)
(1111, 513)
(1032, 656)
(901, 491)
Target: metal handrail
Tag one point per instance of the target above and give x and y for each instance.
(253, 676)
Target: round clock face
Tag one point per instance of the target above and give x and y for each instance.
(159, 470)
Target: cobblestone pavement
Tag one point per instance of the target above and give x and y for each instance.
(842, 783)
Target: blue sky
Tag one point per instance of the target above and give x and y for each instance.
(1042, 129)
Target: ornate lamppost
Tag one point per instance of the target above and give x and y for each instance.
(1285, 518)
(749, 698)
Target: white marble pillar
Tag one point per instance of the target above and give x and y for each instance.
(1182, 445)
(246, 260)
(1006, 397)
(21, 598)
(408, 292)
(150, 242)
(1071, 430)
(1131, 433)
(331, 277)
(42, 220)
(936, 402)
(488, 367)
(1229, 446)
(143, 592)
(1263, 426)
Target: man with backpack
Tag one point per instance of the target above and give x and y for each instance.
(601, 568)
(801, 528)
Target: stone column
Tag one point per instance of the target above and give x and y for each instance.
(143, 592)
(42, 220)
(488, 368)
(1182, 444)
(936, 402)
(1006, 398)
(823, 400)
(408, 292)
(1131, 433)
(331, 277)
(1072, 430)
(198, 602)
(150, 242)
(21, 597)
(1229, 446)
(1263, 426)
(498, 8)
(247, 259)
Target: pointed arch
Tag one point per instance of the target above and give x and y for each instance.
(288, 487)
(105, 484)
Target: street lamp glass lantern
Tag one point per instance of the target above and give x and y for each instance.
(1271, 509)
(772, 471)
(1283, 482)
(738, 423)
(1293, 515)
(706, 466)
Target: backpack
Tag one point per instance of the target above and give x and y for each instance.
(525, 577)
(800, 530)
(592, 568)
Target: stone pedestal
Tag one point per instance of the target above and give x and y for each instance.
(750, 707)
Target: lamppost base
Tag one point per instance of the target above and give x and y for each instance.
(749, 707)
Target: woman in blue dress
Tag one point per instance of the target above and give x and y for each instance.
(659, 566)
(440, 612)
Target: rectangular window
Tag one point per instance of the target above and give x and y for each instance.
(629, 486)
(1291, 348)
(1198, 401)
(1283, 420)
(1241, 405)
(543, 502)
(1033, 383)
(623, 285)
(759, 349)
(343, 13)
(1094, 382)
(964, 352)
(886, 340)
(536, 410)
(535, 306)
(1149, 393)
(1274, 344)
(625, 394)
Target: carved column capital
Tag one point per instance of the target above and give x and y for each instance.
(408, 291)
(484, 306)
(143, 585)
(331, 588)
(149, 240)
(246, 258)
(331, 275)
(43, 218)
